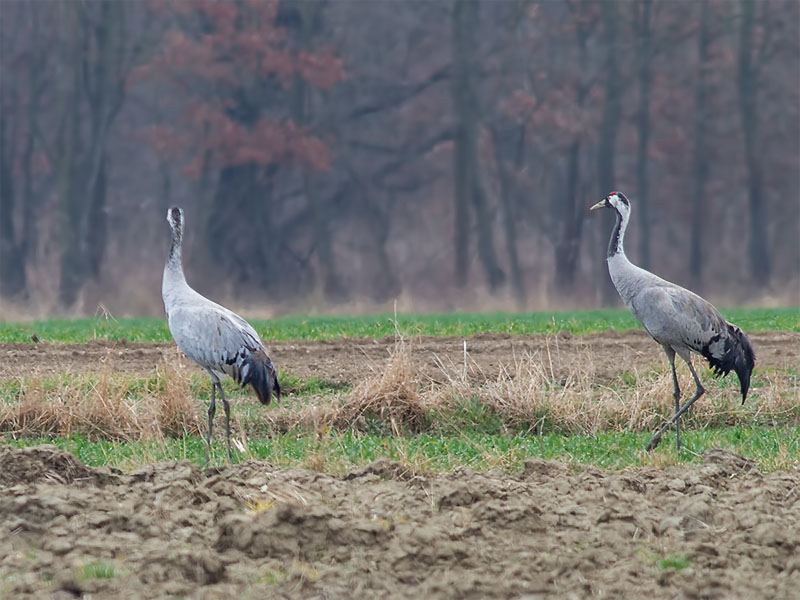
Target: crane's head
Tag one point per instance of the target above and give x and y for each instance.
(175, 220)
(617, 201)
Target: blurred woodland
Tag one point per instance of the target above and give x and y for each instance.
(350, 153)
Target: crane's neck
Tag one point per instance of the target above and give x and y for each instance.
(615, 244)
(626, 276)
(173, 270)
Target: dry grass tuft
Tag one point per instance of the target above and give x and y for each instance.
(106, 405)
(389, 395)
(176, 410)
(544, 391)
(550, 390)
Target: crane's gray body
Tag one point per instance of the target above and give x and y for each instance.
(214, 337)
(679, 320)
(672, 315)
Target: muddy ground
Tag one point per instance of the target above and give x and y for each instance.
(347, 361)
(718, 530)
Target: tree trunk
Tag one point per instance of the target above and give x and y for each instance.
(235, 211)
(508, 195)
(29, 199)
(97, 221)
(37, 76)
(643, 128)
(747, 79)
(494, 274)
(71, 263)
(468, 187)
(332, 287)
(104, 72)
(464, 17)
(12, 266)
(96, 66)
(606, 145)
(571, 225)
(572, 211)
(386, 285)
(700, 159)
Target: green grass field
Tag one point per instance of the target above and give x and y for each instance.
(772, 448)
(475, 436)
(379, 326)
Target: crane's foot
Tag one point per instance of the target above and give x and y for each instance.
(654, 442)
(230, 454)
(208, 452)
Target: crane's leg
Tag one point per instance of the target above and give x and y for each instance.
(698, 392)
(227, 408)
(212, 408)
(677, 396)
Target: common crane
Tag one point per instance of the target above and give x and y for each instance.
(679, 320)
(217, 339)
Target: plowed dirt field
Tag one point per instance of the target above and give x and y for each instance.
(347, 361)
(716, 530)
(719, 530)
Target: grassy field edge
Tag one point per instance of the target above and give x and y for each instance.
(382, 325)
(770, 448)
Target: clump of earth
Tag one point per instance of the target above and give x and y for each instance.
(720, 529)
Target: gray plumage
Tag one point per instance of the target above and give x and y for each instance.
(214, 337)
(680, 320)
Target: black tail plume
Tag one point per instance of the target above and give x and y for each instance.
(262, 376)
(744, 359)
(732, 351)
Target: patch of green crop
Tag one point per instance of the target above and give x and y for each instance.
(312, 386)
(97, 570)
(673, 562)
(273, 577)
(577, 322)
(87, 329)
(338, 451)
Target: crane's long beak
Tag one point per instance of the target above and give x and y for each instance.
(601, 204)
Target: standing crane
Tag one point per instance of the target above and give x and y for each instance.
(680, 320)
(217, 339)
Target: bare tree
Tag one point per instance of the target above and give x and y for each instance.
(12, 265)
(342, 150)
(468, 187)
(24, 77)
(749, 63)
(700, 152)
(97, 54)
(612, 110)
(644, 60)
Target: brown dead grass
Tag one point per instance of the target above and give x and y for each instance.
(529, 394)
(544, 391)
(390, 395)
(104, 405)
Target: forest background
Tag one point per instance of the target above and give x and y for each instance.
(344, 155)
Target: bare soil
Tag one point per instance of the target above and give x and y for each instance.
(347, 361)
(718, 530)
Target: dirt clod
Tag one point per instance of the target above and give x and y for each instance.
(548, 532)
(717, 530)
(47, 463)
